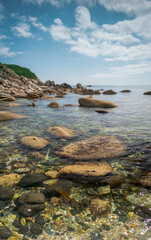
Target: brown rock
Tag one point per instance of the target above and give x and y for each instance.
(101, 111)
(125, 91)
(5, 116)
(109, 92)
(91, 102)
(9, 99)
(85, 172)
(60, 96)
(54, 105)
(13, 104)
(93, 148)
(147, 93)
(34, 142)
(146, 180)
(70, 105)
(9, 179)
(62, 132)
(99, 206)
(48, 98)
(52, 174)
(37, 155)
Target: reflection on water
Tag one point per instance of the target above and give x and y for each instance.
(71, 215)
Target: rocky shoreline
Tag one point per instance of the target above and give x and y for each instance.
(66, 186)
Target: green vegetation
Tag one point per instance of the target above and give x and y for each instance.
(2, 67)
(21, 71)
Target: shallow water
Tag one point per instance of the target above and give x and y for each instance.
(129, 216)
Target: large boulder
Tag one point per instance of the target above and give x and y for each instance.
(93, 148)
(34, 142)
(91, 102)
(5, 116)
(109, 92)
(85, 172)
(62, 132)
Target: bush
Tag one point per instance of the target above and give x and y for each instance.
(21, 71)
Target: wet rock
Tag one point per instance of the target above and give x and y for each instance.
(62, 132)
(35, 198)
(31, 180)
(70, 105)
(26, 210)
(109, 92)
(145, 180)
(101, 111)
(91, 102)
(51, 174)
(85, 172)
(34, 142)
(125, 91)
(93, 148)
(99, 206)
(54, 105)
(103, 190)
(13, 104)
(5, 233)
(58, 188)
(147, 93)
(48, 98)
(36, 155)
(40, 220)
(9, 179)
(33, 104)
(3, 204)
(6, 194)
(79, 85)
(60, 96)
(5, 116)
(36, 229)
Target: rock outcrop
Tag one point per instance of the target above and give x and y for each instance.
(91, 102)
(93, 148)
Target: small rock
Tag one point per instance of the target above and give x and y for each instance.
(147, 93)
(36, 229)
(62, 132)
(125, 91)
(26, 210)
(101, 111)
(33, 104)
(31, 180)
(34, 142)
(6, 194)
(9, 179)
(109, 92)
(35, 198)
(70, 105)
(5, 233)
(54, 105)
(99, 207)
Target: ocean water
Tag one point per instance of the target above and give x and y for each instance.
(129, 217)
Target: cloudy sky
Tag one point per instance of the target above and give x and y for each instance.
(88, 41)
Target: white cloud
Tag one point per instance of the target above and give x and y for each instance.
(35, 23)
(55, 3)
(3, 37)
(5, 51)
(124, 71)
(22, 30)
(60, 32)
(83, 18)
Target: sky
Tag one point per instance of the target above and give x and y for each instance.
(99, 42)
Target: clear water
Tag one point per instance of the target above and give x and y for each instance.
(131, 121)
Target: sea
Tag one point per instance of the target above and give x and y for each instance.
(130, 202)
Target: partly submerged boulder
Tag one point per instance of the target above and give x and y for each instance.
(13, 104)
(109, 92)
(147, 93)
(62, 132)
(85, 172)
(5, 116)
(54, 105)
(93, 148)
(34, 142)
(125, 91)
(91, 102)
(101, 111)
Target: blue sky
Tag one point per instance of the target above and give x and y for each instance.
(89, 41)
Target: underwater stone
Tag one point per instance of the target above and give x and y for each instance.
(5, 116)
(93, 148)
(91, 102)
(62, 132)
(99, 206)
(31, 180)
(9, 179)
(34, 142)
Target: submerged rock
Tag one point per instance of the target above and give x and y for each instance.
(91, 102)
(99, 206)
(145, 180)
(70, 105)
(62, 132)
(5, 116)
(31, 180)
(85, 172)
(54, 105)
(6, 194)
(5, 233)
(93, 148)
(13, 104)
(34, 142)
(109, 92)
(9, 179)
